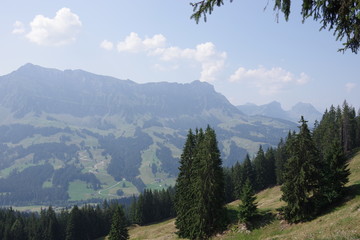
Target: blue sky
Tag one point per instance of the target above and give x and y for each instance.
(242, 49)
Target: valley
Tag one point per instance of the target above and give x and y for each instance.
(104, 135)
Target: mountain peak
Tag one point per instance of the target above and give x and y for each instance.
(274, 109)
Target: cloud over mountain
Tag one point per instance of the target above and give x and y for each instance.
(268, 81)
(60, 30)
(205, 55)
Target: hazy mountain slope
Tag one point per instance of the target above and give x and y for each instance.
(125, 135)
(274, 110)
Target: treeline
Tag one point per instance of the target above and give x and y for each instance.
(87, 222)
(310, 166)
(261, 172)
(339, 129)
(152, 206)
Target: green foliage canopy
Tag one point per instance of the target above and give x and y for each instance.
(341, 16)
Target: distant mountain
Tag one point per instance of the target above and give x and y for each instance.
(274, 109)
(307, 110)
(79, 135)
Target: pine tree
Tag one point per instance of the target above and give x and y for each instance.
(237, 171)
(229, 185)
(248, 171)
(247, 207)
(209, 187)
(270, 176)
(118, 230)
(301, 177)
(335, 175)
(330, 135)
(74, 228)
(200, 187)
(280, 160)
(184, 193)
(260, 170)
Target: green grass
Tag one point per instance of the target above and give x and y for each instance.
(78, 190)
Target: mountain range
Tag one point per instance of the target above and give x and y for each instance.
(75, 135)
(274, 109)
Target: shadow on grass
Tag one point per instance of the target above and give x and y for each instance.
(263, 218)
(353, 190)
(350, 193)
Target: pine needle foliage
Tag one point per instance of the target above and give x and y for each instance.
(341, 16)
(199, 198)
(247, 208)
(301, 177)
(118, 230)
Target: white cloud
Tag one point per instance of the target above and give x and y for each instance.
(211, 60)
(60, 30)
(133, 43)
(107, 45)
(18, 28)
(268, 81)
(350, 86)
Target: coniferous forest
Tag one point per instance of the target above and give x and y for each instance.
(310, 165)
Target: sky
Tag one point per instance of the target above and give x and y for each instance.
(244, 50)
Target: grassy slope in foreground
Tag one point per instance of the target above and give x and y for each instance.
(342, 222)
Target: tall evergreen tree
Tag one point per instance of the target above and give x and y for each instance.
(270, 176)
(209, 187)
(260, 170)
(247, 207)
(74, 228)
(280, 160)
(248, 171)
(184, 193)
(200, 187)
(229, 185)
(118, 230)
(347, 127)
(335, 174)
(237, 171)
(301, 178)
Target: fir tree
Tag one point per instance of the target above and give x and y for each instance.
(209, 187)
(247, 207)
(270, 176)
(280, 160)
(260, 170)
(301, 178)
(237, 171)
(118, 230)
(200, 187)
(335, 175)
(248, 171)
(184, 193)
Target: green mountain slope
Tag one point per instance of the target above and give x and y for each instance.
(341, 222)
